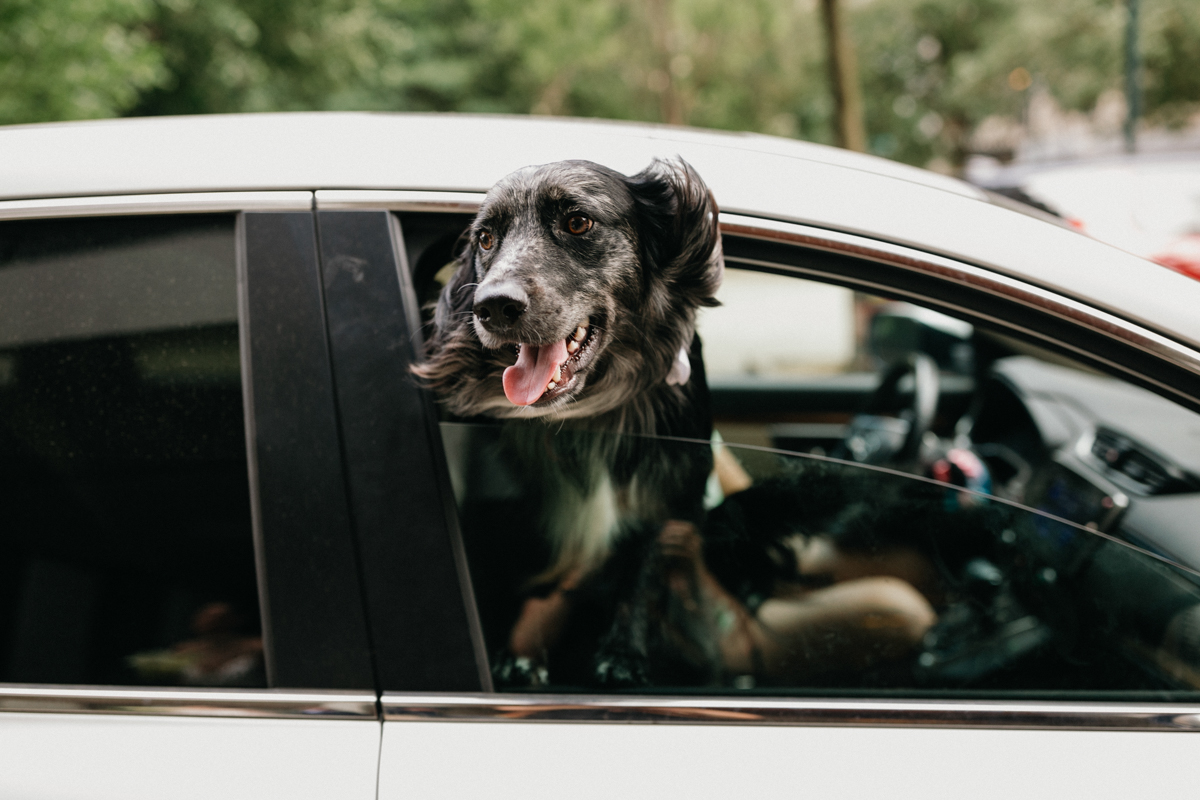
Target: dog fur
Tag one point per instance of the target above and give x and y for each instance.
(651, 260)
(600, 455)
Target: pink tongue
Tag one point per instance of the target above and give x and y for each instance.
(525, 381)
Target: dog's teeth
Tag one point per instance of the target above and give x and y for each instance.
(572, 347)
(551, 386)
(557, 375)
(580, 333)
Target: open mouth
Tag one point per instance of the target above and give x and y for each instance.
(544, 372)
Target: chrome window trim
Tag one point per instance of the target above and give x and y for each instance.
(989, 714)
(170, 702)
(175, 203)
(355, 199)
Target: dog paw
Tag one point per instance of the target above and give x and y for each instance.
(512, 671)
(619, 662)
(613, 672)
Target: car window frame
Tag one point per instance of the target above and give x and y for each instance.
(315, 642)
(981, 296)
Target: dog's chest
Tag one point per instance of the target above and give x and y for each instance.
(588, 500)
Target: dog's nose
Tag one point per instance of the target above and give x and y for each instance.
(500, 306)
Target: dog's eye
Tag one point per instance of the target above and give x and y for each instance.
(486, 240)
(578, 224)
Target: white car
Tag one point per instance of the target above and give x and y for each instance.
(241, 552)
(1148, 204)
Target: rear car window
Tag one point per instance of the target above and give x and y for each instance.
(126, 552)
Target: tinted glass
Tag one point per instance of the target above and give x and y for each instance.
(817, 576)
(125, 546)
(898, 503)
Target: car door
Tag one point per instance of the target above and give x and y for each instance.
(1059, 656)
(180, 612)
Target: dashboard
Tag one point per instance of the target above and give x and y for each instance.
(1098, 452)
(1099, 588)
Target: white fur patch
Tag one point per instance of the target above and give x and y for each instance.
(581, 524)
(681, 370)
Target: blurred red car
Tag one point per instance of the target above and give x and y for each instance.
(1182, 256)
(1146, 204)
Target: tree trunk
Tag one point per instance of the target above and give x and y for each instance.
(843, 80)
(670, 103)
(1133, 94)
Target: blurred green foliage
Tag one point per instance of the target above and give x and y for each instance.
(65, 59)
(931, 70)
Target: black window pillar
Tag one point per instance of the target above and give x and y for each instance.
(314, 621)
(421, 611)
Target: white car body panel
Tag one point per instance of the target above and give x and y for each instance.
(523, 760)
(98, 756)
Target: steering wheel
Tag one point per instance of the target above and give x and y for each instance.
(876, 439)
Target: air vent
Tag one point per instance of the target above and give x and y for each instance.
(1134, 467)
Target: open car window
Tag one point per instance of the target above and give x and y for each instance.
(898, 503)
(813, 574)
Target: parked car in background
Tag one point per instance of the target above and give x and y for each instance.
(1148, 204)
(242, 549)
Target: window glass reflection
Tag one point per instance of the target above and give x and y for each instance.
(814, 574)
(125, 545)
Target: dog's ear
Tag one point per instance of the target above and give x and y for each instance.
(680, 237)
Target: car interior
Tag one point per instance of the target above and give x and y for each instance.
(1048, 507)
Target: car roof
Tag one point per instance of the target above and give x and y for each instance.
(357, 150)
(749, 174)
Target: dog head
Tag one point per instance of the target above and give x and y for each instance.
(576, 290)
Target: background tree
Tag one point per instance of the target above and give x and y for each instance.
(1170, 60)
(843, 79)
(935, 73)
(62, 59)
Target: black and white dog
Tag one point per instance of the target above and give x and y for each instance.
(571, 317)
